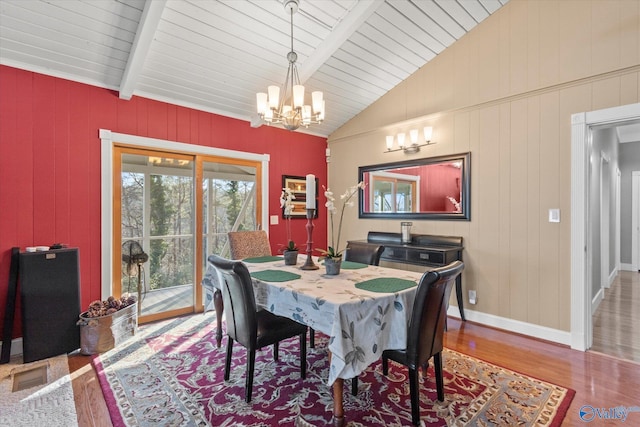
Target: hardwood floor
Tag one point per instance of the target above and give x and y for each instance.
(616, 322)
(599, 380)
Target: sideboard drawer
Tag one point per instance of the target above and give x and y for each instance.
(430, 257)
(391, 253)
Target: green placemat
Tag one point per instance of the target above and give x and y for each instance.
(275, 275)
(351, 265)
(386, 284)
(267, 258)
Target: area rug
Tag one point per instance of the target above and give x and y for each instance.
(50, 404)
(172, 374)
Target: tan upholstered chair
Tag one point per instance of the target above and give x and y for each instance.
(247, 244)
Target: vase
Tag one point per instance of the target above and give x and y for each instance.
(290, 257)
(332, 265)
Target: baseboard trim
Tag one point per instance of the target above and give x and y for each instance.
(627, 267)
(595, 302)
(511, 325)
(16, 346)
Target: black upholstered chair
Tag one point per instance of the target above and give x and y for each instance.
(365, 253)
(362, 252)
(425, 332)
(242, 244)
(247, 325)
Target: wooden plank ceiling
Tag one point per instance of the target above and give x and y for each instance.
(215, 55)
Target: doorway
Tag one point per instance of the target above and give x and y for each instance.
(582, 239)
(174, 203)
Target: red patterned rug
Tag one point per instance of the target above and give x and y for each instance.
(172, 374)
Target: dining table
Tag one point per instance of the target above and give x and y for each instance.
(364, 310)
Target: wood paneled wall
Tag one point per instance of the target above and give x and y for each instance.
(50, 163)
(506, 92)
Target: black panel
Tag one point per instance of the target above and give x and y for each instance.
(50, 291)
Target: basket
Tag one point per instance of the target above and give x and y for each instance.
(100, 334)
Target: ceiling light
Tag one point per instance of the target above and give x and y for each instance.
(286, 105)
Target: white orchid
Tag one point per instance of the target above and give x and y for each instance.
(333, 251)
(286, 202)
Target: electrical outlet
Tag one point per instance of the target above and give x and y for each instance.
(472, 297)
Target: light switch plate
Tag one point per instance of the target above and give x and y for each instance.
(554, 215)
(273, 220)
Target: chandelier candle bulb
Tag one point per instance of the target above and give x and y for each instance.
(274, 96)
(298, 96)
(311, 191)
(261, 99)
(316, 101)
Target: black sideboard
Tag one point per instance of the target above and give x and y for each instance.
(424, 250)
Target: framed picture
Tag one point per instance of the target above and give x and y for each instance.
(298, 186)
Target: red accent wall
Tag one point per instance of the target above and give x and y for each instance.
(50, 164)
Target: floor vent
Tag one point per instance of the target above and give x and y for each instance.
(29, 378)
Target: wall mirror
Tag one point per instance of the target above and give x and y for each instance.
(427, 188)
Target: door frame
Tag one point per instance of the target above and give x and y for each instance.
(109, 139)
(581, 152)
(605, 216)
(635, 211)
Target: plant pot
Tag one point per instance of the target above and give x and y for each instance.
(290, 257)
(332, 265)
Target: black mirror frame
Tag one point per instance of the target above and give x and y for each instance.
(465, 215)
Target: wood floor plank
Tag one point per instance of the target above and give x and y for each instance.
(599, 380)
(616, 322)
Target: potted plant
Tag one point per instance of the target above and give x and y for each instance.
(333, 254)
(290, 251)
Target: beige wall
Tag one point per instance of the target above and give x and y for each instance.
(506, 92)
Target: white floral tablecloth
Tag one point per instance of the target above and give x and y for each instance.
(360, 323)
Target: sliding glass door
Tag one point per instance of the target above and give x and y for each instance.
(157, 217)
(229, 191)
(165, 225)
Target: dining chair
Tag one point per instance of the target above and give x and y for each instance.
(251, 327)
(425, 332)
(242, 244)
(364, 253)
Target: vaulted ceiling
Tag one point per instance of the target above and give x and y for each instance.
(215, 55)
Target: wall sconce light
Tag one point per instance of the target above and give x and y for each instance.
(414, 146)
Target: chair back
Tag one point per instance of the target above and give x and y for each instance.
(239, 300)
(365, 253)
(247, 244)
(428, 319)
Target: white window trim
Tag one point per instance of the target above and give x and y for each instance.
(109, 139)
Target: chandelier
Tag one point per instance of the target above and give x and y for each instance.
(286, 105)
